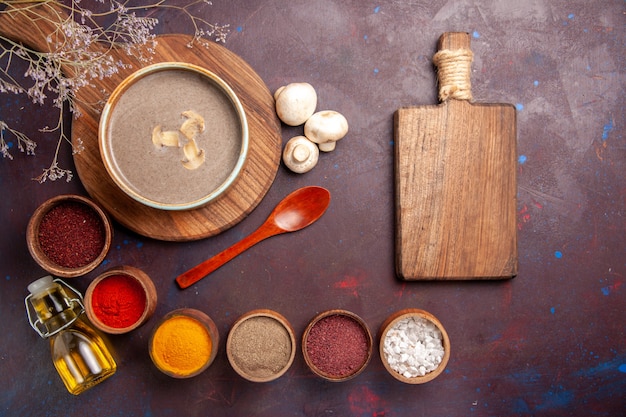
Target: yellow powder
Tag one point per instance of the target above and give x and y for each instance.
(181, 345)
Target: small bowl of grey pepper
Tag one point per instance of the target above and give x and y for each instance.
(261, 345)
(414, 346)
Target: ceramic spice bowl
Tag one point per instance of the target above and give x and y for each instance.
(184, 343)
(120, 300)
(261, 345)
(69, 235)
(414, 346)
(337, 345)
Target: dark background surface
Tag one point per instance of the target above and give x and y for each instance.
(550, 342)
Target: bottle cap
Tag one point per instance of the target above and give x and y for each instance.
(41, 284)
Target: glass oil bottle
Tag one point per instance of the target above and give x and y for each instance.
(79, 354)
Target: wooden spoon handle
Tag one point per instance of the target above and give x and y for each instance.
(195, 274)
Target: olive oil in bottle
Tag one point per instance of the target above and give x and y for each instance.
(79, 354)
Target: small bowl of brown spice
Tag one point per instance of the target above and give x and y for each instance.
(69, 235)
(337, 345)
(261, 345)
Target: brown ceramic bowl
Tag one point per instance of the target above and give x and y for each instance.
(50, 253)
(120, 300)
(173, 345)
(173, 136)
(320, 356)
(391, 322)
(261, 345)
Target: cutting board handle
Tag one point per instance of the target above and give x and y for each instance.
(454, 64)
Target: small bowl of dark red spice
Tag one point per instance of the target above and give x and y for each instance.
(69, 235)
(261, 345)
(337, 345)
(414, 346)
(120, 300)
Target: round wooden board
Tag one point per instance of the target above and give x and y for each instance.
(241, 198)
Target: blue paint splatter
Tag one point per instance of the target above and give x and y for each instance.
(475, 34)
(376, 9)
(570, 16)
(8, 278)
(239, 29)
(556, 399)
(603, 367)
(139, 245)
(522, 159)
(376, 71)
(606, 129)
(606, 290)
(558, 254)
(520, 406)
(552, 310)
(519, 106)
(364, 37)
(535, 83)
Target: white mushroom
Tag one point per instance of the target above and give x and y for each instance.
(162, 138)
(193, 124)
(194, 156)
(325, 128)
(300, 154)
(295, 103)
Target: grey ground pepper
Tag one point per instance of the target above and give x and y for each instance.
(260, 346)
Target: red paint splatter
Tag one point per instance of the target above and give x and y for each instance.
(508, 295)
(524, 216)
(351, 284)
(399, 294)
(524, 213)
(513, 337)
(610, 288)
(364, 401)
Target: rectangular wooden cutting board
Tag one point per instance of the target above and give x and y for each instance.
(455, 180)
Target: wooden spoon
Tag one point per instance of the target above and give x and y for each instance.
(296, 211)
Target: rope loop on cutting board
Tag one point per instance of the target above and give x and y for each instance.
(453, 72)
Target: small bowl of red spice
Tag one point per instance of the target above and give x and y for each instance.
(337, 345)
(69, 235)
(120, 300)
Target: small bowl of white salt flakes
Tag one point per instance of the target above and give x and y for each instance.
(414, 346)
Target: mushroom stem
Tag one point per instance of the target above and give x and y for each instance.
(301, 153)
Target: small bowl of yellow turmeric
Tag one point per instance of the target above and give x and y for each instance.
(184, 343)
